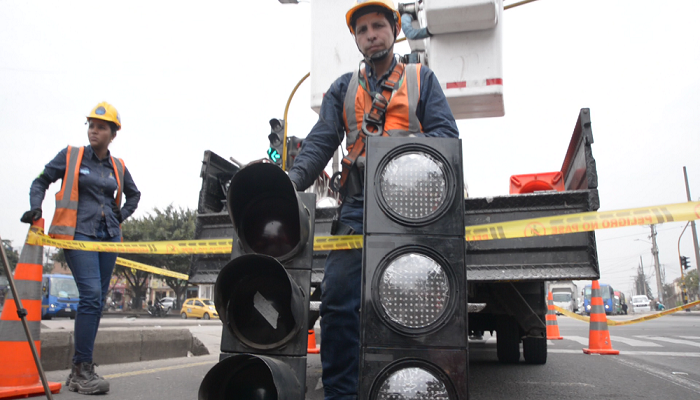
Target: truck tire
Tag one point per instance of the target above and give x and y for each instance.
(508, 341)
(535, 350)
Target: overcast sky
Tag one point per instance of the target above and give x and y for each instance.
(189, 76)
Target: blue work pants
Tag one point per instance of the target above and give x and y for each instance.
(92, 272)
(340, 315)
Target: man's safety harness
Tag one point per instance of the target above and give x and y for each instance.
(372, 125)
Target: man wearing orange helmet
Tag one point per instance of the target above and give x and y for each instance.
(88, 208)
(383, 97)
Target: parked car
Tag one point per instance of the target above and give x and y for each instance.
(168, 303)
(198, 308)
(640, 303)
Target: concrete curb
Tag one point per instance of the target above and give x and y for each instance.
(114, 346)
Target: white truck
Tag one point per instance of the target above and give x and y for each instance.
(565, 295)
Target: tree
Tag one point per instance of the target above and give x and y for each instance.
(160, 225)
(691, 283)
(12, 256)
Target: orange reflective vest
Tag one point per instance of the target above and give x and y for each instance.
(66, 215)
(400, 119)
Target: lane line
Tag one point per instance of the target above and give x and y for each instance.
(631, 353)
(634, 342)
(154, 370)
(670, 340)
(661, 374)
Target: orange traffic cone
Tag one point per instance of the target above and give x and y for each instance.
(599, 337)
(311, 347)
(19, 376)
(551, 317)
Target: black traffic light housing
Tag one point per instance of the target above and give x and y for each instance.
(293, 147)
(685, 262)
(276, 137)
(262, 294)
(414, 323)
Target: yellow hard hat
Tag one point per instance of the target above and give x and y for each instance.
(388, 4)
(106, 112)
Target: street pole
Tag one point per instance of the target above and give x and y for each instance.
(684, 291)
(655, 252)
(644, 278)
(692, 226)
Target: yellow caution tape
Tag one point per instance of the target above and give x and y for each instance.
(151, 269)
(544, 226)
(631, 321)
(584, 222)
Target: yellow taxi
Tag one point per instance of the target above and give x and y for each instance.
(198, 308)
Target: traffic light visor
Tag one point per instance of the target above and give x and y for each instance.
(266, 212)
(258, 302)
(245, 376)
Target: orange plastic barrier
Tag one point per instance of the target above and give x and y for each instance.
(529, 183)
(598, 337)
(312, 348)
(551, 317)
(19, 376)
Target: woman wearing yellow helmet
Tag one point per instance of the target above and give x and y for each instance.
(88, 208)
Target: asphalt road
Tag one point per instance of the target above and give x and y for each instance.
(659, 359)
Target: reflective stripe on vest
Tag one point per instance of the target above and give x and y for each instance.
(400, 119)
(65, 217)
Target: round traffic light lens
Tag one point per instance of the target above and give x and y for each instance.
(414, 185)
(271, 226)
(414, 291)
(412, 384)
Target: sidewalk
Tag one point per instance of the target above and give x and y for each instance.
(131, 339)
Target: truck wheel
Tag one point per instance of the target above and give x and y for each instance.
(508, 341)
(535, 350)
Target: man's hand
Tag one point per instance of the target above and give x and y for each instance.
(31, 216)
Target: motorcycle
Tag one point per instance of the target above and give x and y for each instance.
(156, 310)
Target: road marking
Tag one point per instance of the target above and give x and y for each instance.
(632, 353)
(676, 380)
(634, 342)
(154, 370)
(582, 340)
(553, 383)
(690, 337)
(670, 340)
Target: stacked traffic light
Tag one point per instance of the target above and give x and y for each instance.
(413, 340)
(685, 262)
(293, 147)
(276, 137)
(262, 294)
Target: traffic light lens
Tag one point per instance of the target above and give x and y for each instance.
(412, 384)
(263, 306)
(414, 290)
(413, 185)
(271, 226)
(252, 382)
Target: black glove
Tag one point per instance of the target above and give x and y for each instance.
(31, 216)
(117, 212)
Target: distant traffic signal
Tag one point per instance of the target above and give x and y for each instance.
(293, 147)
(413, 338)
(276, 137)
(685, 262)
(262, 294)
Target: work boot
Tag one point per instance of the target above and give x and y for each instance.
(84, 380)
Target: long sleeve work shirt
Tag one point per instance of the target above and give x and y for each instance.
(433, 112)
(96, 191)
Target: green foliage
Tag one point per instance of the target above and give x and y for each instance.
(159, 225)
(691, 282)
(12, 256)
